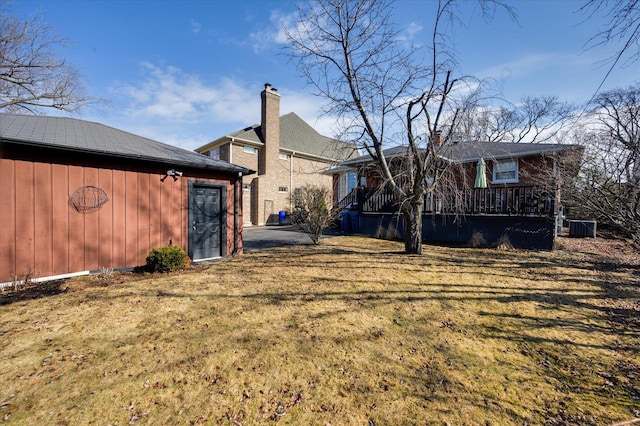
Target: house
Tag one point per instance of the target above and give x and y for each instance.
(78, 196)
(287, 153)
(511, 189)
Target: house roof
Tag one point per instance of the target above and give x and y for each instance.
(84, 136)
(296, 136)
(464, 152)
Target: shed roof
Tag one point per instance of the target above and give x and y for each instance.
(85, 136)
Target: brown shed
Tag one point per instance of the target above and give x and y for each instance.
(78, 196)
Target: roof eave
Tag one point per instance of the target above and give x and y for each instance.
(231, 169)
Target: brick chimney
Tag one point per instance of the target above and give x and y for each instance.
(270, 124)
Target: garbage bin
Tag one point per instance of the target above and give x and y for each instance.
(354, 217)
(345, 222)
(282, 217)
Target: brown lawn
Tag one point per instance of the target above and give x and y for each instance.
(347, 332)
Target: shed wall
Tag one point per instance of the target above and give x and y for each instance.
(43, 235)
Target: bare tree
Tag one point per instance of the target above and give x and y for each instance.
(386, 92)
(608, 187)
(623, 26)
(32, 76)
(533, 120)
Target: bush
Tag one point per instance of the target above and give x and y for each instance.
(477, 240)
(312, 212)
(166, 259)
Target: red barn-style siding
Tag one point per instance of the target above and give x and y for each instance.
(43, 235)
(48, 228)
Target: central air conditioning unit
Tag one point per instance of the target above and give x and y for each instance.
(582, 228)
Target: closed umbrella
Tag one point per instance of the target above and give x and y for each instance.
(481, 174)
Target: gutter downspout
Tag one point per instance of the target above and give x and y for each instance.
(291, 181)
(236, 215)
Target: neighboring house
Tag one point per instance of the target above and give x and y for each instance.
(494, 179)
(286, 152)
(77, 196)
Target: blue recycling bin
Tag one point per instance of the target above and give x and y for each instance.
(282, 217)
(345, 222)
(354, 217)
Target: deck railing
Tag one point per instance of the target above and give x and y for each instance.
(351, 199)
(514, 201)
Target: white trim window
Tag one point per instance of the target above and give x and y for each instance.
(249, 149)
(505, 171)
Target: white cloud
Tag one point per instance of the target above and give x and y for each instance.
(196, 26)
(172, 106)
(522, 66)
(274, 33)
(410, 32)
(172, 94)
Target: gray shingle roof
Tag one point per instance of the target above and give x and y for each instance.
(298, 136)
(464, 152)
(85, 136)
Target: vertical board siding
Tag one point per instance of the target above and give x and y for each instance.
(76, 221)
(157, 215)
(131, 218)
(144, 221)
(117, 204)
(25, 217)
(91, 225)
(7, 219)
(41, 233)
(165, 208)
(174, 209)
(43, 225)
(106, 220)
(60, 218)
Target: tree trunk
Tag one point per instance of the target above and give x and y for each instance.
(412, 215)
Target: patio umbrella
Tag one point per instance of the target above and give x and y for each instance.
(481, 174)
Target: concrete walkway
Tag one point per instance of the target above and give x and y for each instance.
(263, 237)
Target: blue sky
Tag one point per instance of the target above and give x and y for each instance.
(187, 72)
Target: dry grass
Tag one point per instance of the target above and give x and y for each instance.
(347, 332)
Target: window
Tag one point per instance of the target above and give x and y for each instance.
(505, 171)
(297, 197)
(348, 181)
(215, 153)
(249, 149)
(352, 181)
(284, 156)
(282, 189)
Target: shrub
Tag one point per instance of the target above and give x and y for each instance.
(312, 212)
(166, 259)
(477, 240)
(504, 243)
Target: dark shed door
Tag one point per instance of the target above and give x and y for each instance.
(205, 219)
